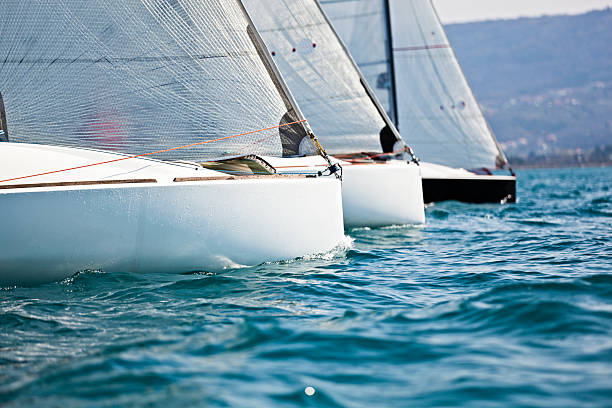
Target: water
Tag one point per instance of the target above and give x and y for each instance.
(487, 305)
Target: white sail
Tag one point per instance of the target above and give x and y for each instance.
(437, 113)
(109, 77)
(321, 75)
(363, 27)
(135, 76)
(437, 109)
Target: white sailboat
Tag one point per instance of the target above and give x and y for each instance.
(381, 181)
(91, 89)
(404, 53)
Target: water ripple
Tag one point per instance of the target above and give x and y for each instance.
(487, 305)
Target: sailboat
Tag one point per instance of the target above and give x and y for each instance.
(381, 178)
(108, 112)
(403, 51)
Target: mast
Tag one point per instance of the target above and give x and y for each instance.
(3, 126)
(435, 101)
(392, 91)
(325, 80)
(389, 122)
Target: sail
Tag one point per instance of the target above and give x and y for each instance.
(363, 27)
(321, 75)
(437, 113)
(136, 76)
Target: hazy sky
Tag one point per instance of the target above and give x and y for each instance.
(451, 11)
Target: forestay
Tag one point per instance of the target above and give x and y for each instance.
(362, 25)
(437, 113)
(321, 75)
(136, 76)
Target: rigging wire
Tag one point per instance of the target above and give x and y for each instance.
(155, 152)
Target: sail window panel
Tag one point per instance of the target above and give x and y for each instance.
(438, 114)
(136, 76)
(319, 74)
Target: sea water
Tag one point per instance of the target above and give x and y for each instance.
(484, 306)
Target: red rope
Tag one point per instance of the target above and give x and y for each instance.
(152, 153)
(344, 158)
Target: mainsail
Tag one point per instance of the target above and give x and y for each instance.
(136, 76)
(363, 26)
(325, 81)
(437, 112)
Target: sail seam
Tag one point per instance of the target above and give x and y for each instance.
(422, 47)
(51, 61)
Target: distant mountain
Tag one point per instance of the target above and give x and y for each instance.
(545, 83)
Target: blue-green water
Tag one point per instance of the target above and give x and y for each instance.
(487, 305)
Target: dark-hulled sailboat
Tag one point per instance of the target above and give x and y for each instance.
(403, 51)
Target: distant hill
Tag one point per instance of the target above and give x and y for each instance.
(545, 83)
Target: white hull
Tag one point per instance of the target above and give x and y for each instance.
(382, 194)
(50, 232)
(373, 194)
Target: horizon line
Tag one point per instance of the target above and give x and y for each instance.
(518, 17)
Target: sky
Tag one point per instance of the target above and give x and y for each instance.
(455, 11)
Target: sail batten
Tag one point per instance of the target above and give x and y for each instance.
(325, 81)
(141, 75)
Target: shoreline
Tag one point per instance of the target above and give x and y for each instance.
(559, 165)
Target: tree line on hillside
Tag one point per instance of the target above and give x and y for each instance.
(545, 83)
